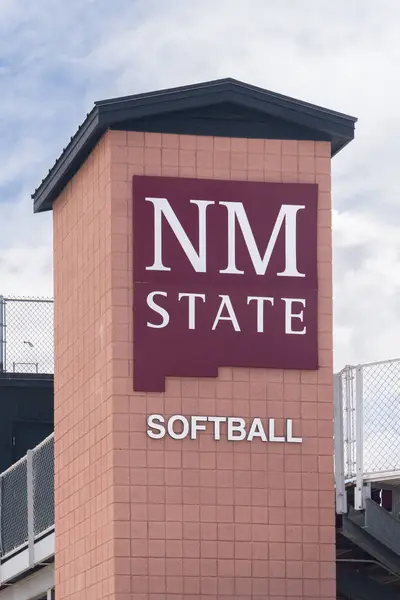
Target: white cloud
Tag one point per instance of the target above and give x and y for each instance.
(58, 59)
(26, 159)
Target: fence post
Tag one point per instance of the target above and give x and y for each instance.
(359, 498)
(2, 335)
(31, 530)
(341, 498)
(349, 415)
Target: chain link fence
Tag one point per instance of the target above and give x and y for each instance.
(26, 335)
(14, 506)
(377, 413)
(367, 426)
(27, 498)
(381, 416)
(43, 486)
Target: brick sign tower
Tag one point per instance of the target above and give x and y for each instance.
(193, 347)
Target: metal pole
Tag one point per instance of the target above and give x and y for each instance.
(49, 594)
(2, 334)
(348, 409)
(341, 498)
(31, 530)
(359, 499)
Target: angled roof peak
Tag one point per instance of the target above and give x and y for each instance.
(223, 107)
(215, 83)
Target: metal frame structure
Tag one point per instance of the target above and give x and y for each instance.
(38, 585)
(362, 394)
(35, 547)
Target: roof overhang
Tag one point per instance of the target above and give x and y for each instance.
(225, 107)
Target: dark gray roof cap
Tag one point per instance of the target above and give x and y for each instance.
(225, 107)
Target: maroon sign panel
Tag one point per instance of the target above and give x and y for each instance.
(225, 274)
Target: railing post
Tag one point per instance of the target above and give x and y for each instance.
(341, 498)
(2, 335)
(31, 530)
(359, 498)
(349, 415)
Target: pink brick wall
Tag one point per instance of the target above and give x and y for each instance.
(165, 519)
(84, 409)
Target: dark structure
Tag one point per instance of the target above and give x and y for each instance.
(26, 414)
(368, 552)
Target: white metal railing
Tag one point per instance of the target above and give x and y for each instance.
(27, 500)
(367, 427)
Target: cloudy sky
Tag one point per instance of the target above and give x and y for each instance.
(58, 57)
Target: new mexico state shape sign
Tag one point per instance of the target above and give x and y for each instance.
(225, 274)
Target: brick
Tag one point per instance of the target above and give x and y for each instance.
(198, 518)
